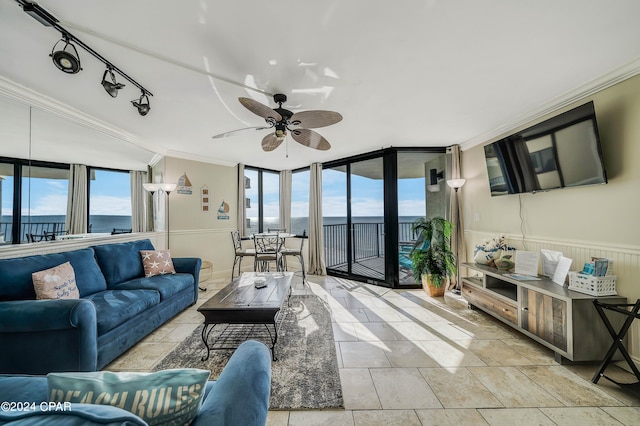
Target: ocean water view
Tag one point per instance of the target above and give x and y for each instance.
(56, 223)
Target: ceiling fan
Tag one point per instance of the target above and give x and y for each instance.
(283, 120)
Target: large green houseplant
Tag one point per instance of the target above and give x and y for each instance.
(431, 256)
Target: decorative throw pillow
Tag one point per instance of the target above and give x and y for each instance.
(56, 283)
(157, 262)
(165, 397)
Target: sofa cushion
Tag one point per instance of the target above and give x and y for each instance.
(113, 307)
(16, 281)
(157, 262)
(121, 262)
(166, 285)
(58, 282)
(165, 397)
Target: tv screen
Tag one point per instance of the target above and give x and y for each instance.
(563, 151)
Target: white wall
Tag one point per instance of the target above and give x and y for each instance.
(599, 220)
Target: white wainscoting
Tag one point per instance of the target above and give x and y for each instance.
(626, 266)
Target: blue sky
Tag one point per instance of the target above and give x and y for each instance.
(110, 195)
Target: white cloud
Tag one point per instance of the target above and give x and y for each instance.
(109, 205)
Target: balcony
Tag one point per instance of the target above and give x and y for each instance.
(367, 252)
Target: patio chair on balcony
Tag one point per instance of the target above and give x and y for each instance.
(240, 252)
(295, 252)
(51, 236)
(117, 231)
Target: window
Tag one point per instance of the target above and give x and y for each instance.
(300, 202)
(109, 200)
(44, 202)
(263, 200)
(6, 202)
(34, 194)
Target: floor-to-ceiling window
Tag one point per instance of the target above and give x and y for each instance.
(109, 200)
(262, 191)
(44, 201)
(421, 193)
(369, 204)
(7, 171)
(300, 202)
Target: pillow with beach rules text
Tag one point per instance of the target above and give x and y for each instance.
(165, 397)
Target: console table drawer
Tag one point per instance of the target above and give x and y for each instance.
(484, 299)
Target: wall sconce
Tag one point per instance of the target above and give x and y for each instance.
(456, 183)
(433, 185)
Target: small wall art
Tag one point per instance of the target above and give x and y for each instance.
(223, 211)
(204, 199)
(184, 185)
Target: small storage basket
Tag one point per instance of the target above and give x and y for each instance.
(595, 286)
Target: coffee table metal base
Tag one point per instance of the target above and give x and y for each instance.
(240, 304)
(233, 334)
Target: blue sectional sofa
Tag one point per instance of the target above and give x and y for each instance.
(240, 396)
(117, 307)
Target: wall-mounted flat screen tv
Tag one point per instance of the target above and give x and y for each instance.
(563, 151)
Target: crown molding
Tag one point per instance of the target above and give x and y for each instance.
(609, 79)
(35, 99)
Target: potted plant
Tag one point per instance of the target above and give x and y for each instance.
(431, 257)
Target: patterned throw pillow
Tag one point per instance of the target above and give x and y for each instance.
(157, 262)
(56, 283)
(161, 398)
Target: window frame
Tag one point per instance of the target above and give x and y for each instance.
(18, 167)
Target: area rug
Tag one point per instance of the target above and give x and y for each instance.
(305, 375)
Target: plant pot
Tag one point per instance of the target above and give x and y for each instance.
(431, 289)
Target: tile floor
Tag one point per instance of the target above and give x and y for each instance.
(408, 359)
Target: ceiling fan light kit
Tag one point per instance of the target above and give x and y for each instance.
(67, 59)
(298, 124)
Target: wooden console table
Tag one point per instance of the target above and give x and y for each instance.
(563, 320)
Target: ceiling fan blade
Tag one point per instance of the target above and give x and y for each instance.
(270, 142)
(260, 109)
(315, 118)
(310, 138)
(239, 131)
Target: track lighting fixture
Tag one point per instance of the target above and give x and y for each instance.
(66, 59)
(143, 108)
(111, 86)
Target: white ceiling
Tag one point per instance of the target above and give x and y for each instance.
(408, 73)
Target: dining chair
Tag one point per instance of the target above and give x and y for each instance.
(240, 252)
(268, 248)
(295, 252)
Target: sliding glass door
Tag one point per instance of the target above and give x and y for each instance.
(369, 204)
(353, 209)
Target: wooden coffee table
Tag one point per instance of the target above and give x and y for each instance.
(241, 302)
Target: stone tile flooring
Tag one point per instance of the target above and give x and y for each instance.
(408, 359)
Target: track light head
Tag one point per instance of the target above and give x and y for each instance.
(142, 104)
(111, 86)
(67, 59)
